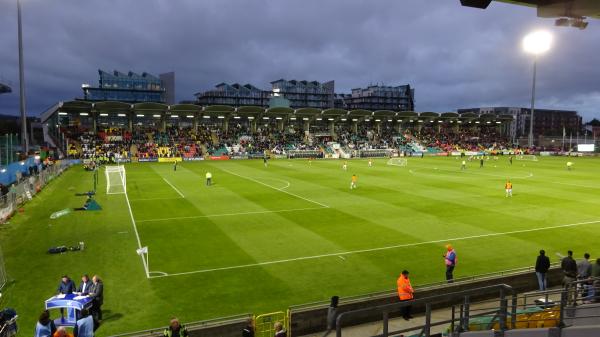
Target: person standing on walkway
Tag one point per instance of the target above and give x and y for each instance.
(450, 261)
(584, 270)
(405, 293)
(569, 268)
(542, 264)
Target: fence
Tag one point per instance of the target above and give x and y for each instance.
(22, 191)
(28, 186)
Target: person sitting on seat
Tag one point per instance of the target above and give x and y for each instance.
(45, 326)
(85, 326)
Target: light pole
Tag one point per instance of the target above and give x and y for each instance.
(535, 43)
(24, 139)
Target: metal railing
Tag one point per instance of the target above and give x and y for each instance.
(458, 297)
(427, 286)
(555, 308)
(28, 186)
(190, 326)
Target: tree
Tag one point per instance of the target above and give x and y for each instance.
(594, 122)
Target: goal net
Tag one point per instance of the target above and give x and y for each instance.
(527, 157)
(397, 162)
(116, 181)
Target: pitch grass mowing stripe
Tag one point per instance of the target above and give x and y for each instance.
(232, 214)
(175, 188)
(163, 198)
(341, 254)
(275, 188)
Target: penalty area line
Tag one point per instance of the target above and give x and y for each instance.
(341, 254)
(175, 188)
(275, 188)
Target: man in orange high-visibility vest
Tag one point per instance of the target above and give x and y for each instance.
(405, 293)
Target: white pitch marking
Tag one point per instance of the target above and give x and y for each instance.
(123, 232)
(287, 183)
(559, 255)
(275, 188)
(341, 257)
(137, 235)
(379, 249)
(175, 188)
(146, 199)
(576, 185)
(232, 214)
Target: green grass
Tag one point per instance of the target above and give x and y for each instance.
(253, 241)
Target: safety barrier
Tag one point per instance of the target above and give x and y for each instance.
(264, 324)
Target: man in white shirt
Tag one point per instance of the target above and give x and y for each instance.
(84, 286)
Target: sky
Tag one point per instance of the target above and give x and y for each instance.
(455, 57)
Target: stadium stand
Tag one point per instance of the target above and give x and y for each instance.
(193, 131)
(111, 144)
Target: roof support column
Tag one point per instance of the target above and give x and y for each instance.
(354, 127)
(195, 123)
(130, 121)
(226, 125)
(163, 122)
(94, 121)
(331, 129)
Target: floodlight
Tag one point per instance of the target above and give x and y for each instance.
(537, 42)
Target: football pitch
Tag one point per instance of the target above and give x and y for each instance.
(261, 239)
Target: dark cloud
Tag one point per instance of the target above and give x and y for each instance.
(454, 56)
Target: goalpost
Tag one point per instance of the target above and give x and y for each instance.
(398, 161)
(527, 157)
(116, 179)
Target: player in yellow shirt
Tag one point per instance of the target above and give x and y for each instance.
(508, 188)
(353, 182)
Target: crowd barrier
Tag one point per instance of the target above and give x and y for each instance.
(27, 187)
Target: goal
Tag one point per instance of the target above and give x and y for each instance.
(116, 179)
(397, 162)
(527, 157)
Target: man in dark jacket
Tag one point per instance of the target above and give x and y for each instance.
(569, 268)
(96, 292)
(542, 264)
(85, 285)
(66, 285)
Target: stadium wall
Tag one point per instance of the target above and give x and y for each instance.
(309, 319)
